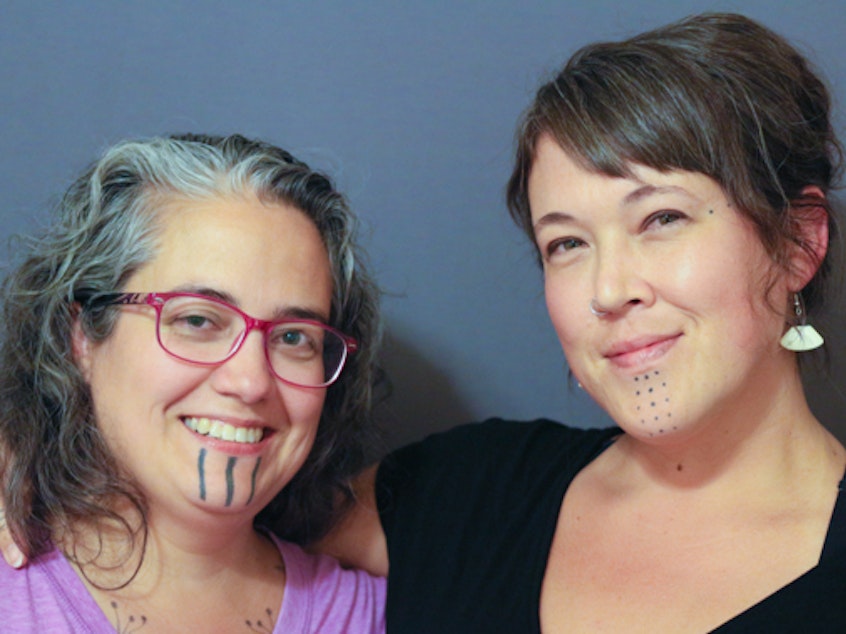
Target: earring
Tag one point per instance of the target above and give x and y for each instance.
(801, 337)
(596, 312)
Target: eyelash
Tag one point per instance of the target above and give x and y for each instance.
(661, 216)
(554, 245)
(569, 243)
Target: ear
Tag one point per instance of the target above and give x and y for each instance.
(82, 347)
(810, 217)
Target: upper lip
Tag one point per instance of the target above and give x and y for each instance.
(626, 346)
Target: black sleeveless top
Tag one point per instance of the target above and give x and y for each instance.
(470, 515)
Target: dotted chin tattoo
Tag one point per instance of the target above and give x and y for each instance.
(261, 626)
(132, 624)
(652, 400)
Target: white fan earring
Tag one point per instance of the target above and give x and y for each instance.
(801, 337)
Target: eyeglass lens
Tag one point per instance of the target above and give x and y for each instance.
(205, 331)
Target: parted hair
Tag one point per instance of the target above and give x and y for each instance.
(57, 471)
(717, 94)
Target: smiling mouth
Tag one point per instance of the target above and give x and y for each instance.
(638, 354)
(224, 431)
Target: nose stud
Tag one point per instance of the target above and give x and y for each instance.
(595, 310)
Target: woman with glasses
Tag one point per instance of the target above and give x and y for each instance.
(676, 187)
(187, 370)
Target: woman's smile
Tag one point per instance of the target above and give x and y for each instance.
(635, 354)
(214, 428)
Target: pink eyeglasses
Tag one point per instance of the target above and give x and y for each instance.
(208, 331)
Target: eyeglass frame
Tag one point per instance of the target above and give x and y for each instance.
(89, 299)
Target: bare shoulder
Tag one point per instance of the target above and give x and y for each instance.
(358, 540)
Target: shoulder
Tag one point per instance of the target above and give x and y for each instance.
(478, 444)
(322, 596)
(496, 430)
(496, 462)
(468, 516)
(814, 601)
(47, 596)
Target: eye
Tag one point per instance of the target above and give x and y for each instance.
(291, 338)
(664, 217)
(300, 340)
(196, 320)
(563, 245)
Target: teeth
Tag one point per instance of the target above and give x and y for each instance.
(224, 431)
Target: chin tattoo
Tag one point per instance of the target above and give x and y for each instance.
(653, 402)
(203, 474)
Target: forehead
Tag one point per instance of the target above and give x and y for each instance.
(558, 178)
(255, 251)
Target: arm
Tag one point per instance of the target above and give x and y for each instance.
(358, 540)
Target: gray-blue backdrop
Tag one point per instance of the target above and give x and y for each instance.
(410, 105)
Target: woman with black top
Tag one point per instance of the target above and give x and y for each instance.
(677, 188)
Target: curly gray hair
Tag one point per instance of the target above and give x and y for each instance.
(57, 470)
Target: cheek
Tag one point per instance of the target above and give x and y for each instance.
(303, 410)
(133, 397)
(303, 407)
(567, 311)
(733, 298)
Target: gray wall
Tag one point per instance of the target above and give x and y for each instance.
(411, 107)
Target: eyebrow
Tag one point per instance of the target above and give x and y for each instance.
(651, 190)
(280, 314)
(557, 217)
(553, 217)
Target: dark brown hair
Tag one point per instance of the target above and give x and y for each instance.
(717, 94)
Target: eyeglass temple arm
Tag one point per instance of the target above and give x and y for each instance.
(89, 298)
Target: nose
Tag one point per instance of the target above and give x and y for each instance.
(619, 280)
(247, 374)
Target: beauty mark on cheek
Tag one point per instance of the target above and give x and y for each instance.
(652, 402)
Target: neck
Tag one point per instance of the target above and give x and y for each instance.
(211, 576)
(170, 551)
(763, 436)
